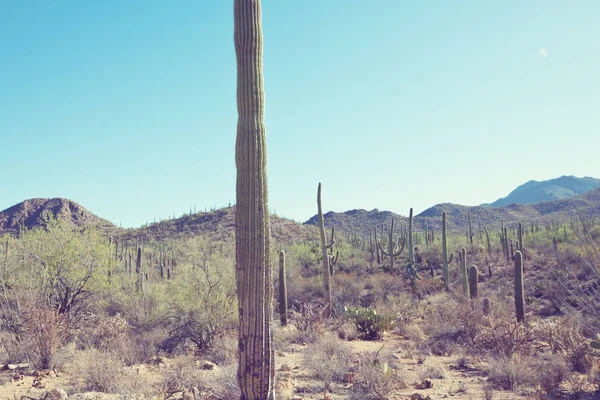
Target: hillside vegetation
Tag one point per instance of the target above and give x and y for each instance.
(151, 312)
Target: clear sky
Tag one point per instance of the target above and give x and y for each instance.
(128, 106)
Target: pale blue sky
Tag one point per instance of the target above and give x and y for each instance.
(128, 106)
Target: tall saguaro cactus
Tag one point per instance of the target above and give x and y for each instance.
(445, 274)
(256, 367)
(519, 289)
(393, 251)
(325, 245)
(283, 300)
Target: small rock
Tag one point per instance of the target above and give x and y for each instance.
(348, 378)
(285, 368)
(56, 394)
(426, 384)
(402, 385)
(207, 365)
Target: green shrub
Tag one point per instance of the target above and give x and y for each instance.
(369, 323)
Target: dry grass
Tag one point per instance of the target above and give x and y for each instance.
(329, 359)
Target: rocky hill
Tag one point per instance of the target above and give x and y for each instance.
(565, 187)
(31, 213)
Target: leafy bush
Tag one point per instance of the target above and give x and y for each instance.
(369, 323)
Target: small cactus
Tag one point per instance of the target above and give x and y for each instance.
(486, 306)
(473, 277)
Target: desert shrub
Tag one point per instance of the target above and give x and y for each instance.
(224, 385)
(102, 331)
(95, 370)
(380, 286)
(374, 378)
(347, 332)
(184, 375)
(139, 345)
(451, 318)
(347, 292)
(549, 371)
(224, 349)
(508, 373)
(304, 290)
(309, 322)
(328, 359)
(369, 323)
(411, 332)
(204, 304)
(565, 336)
(403, 307)
(432, 369)
(504, 336)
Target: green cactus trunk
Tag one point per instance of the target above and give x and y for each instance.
(519, 289)
(411, 249)
(463, 272)
(445, 273)
(325, 256)
(489, 243)
(507, 252)
(138, 268)
(393, 250)
(470, 229)
(256, 367)
(283, 299)
(473, 280)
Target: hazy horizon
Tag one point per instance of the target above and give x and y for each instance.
(129, 109)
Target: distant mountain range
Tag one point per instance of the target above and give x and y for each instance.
(363, 221)
(219, 224)
(565, 187)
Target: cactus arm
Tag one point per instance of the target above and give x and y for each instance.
(385, 253)
(403, 241)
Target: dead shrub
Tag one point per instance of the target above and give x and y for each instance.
(44, 331)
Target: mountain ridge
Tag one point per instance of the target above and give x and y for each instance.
(563, 187)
